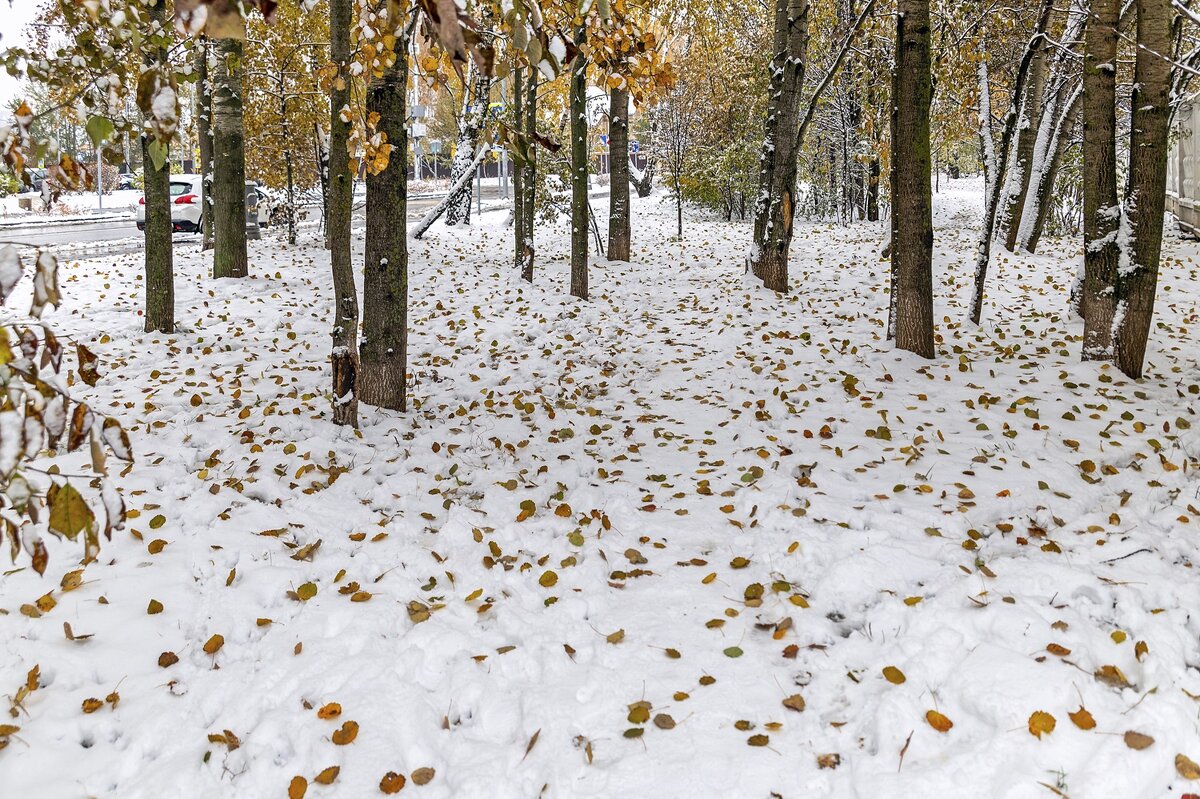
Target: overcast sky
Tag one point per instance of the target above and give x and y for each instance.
(14, 16)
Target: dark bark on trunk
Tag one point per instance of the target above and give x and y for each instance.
(1146, 195)
(529, 174)
(345, 297)
(1101, 213)
(1027, 129)
(579, 173)
(204, 133)
(774, 209)
(618, 147)
(912, 199)
(287, 160)
(383, 351)
(645, 186)
(160, 284)
(873, 170)
(229, 162)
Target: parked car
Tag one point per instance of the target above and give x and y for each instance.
(187, 214)
(126, 180)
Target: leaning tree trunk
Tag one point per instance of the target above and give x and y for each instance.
(579, 172)
(1040, 201)
(160, 280)
(1146, 195)
(1101, 213)
(204, 133)
(528, 172)
(774, 207)
(999, 167)
(345, 298)
(618, 186)
(383, 353)
(1028, 126)
(1060, 104)
(912, 198)
(229, 162)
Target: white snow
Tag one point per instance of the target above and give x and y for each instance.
(952, 518)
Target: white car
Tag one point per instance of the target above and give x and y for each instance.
(186, 211)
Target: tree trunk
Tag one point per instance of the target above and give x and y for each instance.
(618, 148)
(287, 160)
(645, 184)
(229, 162)
(529, 174)
(470, 128)
(999, 166)
(1027, 134)
(204, 133)
(160, 285)
(579, 172)
(518, 75)
(873, 170)
(912, 199)
(1042, 200)
(345, 298)
(1137, 280)
(775, 206)
(1101, 213)
(383, 352)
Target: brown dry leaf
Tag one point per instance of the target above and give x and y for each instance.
(213, 644)
(1137, 740)
(1082, 718)
(1057, 649)
(423, 775)
(615, 638)
(1187, 768)
(327, 776)
(794, 702)
(533, 739)
(167, 659)
(329, 711)
(893, 675)
(664, 722)
(297, 788)
(154, 607)
(1112, 676)
(392, 782)
(346, 734)
(92, 704)
(831, 760)
(1041, 723)
(938, 721)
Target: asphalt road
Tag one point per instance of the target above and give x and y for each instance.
(115, 236)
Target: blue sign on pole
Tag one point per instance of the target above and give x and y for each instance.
(604, 139)
(634, 146)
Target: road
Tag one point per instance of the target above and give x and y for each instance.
(117, 236)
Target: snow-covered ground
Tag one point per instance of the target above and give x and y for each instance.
(69, 207)
(748, 512)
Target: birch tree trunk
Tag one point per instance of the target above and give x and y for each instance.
(338, 202)
(618, 156)
(1000, 165)
(579, 172)
(1101, 213)
(160, 280)
(529, 175)
(1027, 134)
(1137, 276)
(229, 162)
(470, 129)
(204, 133)
(383, 350)
(1038, 205)
(518, 75)
(774, 207)
(912, 198)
